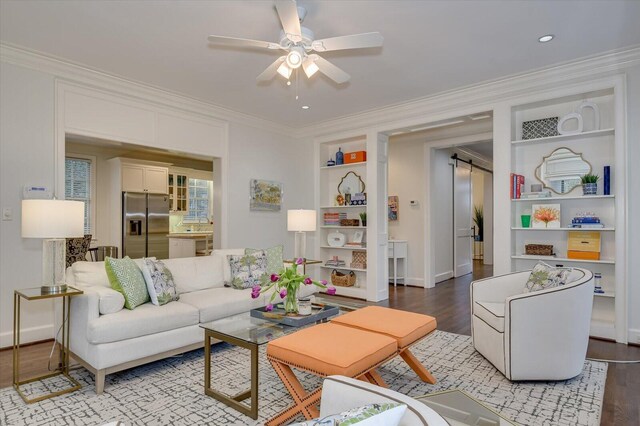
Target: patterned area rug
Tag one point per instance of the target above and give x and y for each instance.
(170, 392)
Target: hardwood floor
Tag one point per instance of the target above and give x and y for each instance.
(449, 303)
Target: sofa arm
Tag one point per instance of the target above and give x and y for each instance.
(497, 289)
(84, 308)
(340, 393)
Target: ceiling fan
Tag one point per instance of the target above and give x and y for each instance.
(299, 43)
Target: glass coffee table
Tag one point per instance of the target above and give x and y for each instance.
(250, 333)
(460, 409)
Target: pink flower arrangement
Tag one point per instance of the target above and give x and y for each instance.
(286, 285)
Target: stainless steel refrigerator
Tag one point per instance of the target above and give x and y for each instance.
(145, 225)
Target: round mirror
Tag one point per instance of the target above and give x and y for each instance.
(561, 170)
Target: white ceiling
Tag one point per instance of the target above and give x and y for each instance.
(429, 47)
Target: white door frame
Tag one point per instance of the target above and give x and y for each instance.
(462, 235)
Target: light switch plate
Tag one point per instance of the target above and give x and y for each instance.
(7, 214)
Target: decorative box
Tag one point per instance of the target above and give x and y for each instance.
(349, 222)
(538, 249)
(542, 128)
(355, 157)
(584, 245)
(359, 259)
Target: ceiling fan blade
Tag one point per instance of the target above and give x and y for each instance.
(355, 41)
(271, 70)
(330, 70)
(242, 42)
(288, 13)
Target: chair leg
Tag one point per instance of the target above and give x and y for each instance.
(416, 366)
(304, 402)
(99, 377)
(375, 378)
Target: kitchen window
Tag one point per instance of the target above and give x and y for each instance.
(79, 185)
(200, 201)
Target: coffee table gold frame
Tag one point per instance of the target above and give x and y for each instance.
(234, 401)
(36, 294)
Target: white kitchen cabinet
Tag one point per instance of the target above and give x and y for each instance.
(142, 178)
(182, 247)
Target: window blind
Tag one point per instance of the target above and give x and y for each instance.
(77, 185)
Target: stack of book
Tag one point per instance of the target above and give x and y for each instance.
(535, 195)
(335, 262)
(333, 219)
(516, 186)
(586, 221)
(355, 245)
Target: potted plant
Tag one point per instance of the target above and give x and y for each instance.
(363, 218)
(589, 184)
(478, 219)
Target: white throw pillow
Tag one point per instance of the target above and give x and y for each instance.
(111, 301)
(220, 255)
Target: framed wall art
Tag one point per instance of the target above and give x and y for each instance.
(393, 207)
(265, 195)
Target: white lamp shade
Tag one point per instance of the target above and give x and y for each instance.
(52, 219)
(301, 220)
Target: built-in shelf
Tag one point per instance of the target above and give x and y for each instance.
(342, 227)
(556, 198)
(341, 166)
(344, 248)
(343, 268)
(602, 329)
(563, 138)
(605, 294)
(343, 207)
(359, 292)
(562, 259)
(561, 229)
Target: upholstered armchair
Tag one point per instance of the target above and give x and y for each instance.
(77, 249)
(541, 335)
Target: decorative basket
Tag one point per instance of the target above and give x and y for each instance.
(538, 249)
(359, 256)
(349, 222)
(343, 280)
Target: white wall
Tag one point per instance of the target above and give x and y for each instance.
(27, 141)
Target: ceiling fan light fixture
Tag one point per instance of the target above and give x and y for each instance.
(284, 70)
(309, 66)
(294, 58)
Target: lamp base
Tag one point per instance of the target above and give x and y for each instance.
(53, 289)
(300, 245)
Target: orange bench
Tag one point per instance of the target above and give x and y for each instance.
(325, 350)
(405, 327)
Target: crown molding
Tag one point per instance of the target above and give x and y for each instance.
(80, 74)
(419, 110)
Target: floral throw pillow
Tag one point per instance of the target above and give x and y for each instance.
(376, 414)
(274, 258)
(159, 280)
(545, 276)
(247, 270)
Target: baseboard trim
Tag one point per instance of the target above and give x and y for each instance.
(27, 335)
(634, 336)
(443, 276)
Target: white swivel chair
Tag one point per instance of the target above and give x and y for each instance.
(541, 335)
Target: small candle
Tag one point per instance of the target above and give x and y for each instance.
(304, 306)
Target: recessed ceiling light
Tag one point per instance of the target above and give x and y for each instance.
(305, 106)
(546, 38)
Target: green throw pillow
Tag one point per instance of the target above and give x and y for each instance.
(275, 258)
(125, 277)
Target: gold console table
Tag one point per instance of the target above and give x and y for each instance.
(37, 294)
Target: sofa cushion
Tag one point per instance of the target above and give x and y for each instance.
(159, 280)
(275, 258)
(248, 270)
(126, 277)
(195, 273)
(405, 327)
(491, 313)
(221, 255)
(328, 349)
(93, 274)
(144, 320)
(216, 303)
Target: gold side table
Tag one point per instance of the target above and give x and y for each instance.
(304, 264)
(37, 294)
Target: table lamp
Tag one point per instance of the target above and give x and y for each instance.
(53, 220)
(301, 221)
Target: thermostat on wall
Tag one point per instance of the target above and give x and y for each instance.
(39, 192)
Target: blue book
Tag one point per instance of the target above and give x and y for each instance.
(607, 180)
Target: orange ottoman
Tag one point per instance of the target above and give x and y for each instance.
(325, 350)
(405, 327)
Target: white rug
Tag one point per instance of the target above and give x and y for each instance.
(170, 392)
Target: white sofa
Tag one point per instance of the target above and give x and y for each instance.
(106, 338)
(340, 393)
(542, 335)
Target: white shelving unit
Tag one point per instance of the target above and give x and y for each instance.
(329, 179)
(600, 147)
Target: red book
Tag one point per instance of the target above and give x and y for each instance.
(519, 186)
(512, 185)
